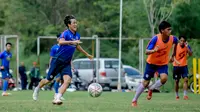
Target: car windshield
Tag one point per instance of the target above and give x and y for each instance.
(132, 72)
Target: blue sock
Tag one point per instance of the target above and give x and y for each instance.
(56, 86)
(5, 85)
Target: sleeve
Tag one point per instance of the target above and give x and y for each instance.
(175, 40)
(79, 37)
(152, 43)
(189, 48)
(52, 52)
(1, 55)
(64, 35)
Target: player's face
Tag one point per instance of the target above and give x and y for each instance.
(167, 31)
(8, 47)
(182, 41)
(73, 25)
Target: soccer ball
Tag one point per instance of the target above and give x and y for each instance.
(95, 90)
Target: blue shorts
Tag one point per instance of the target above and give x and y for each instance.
(5, 74)
(58, 66)
(179, 72)
(151, 69)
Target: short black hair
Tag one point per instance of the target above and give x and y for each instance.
(58, 35)
(9, 44)
(67, 19)
(163, 25)
(182, 36)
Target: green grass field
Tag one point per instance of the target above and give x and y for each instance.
(21, 101)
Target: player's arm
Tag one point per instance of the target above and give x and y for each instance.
(62, 41)
(1, 57)
(151, 48)
(174, 47)
(79, 48)
(188, 49)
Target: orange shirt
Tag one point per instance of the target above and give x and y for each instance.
(161, 57)
(181, 55)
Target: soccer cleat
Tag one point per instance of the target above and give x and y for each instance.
(185, 97)
(57, 102)
(149, 96)
(6, 94)
(35, 94)
(62, 98)
(177, 97)
(134, 104)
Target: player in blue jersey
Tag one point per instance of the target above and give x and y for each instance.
(5, 63)
(61, 63)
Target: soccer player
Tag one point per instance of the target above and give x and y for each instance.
(158, 51)
(180, 65)
(61, 63)
(5, 63)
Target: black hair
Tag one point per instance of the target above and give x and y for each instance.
(67, 19)
(182, 36)
(58, 35)
(163, 25)
(8, 44)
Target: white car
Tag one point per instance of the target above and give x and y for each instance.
(133, 77)
(108, 71)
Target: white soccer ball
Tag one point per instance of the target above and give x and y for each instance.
(95, 90)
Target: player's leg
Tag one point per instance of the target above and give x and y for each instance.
(163, 72)
(57, 83)
(176, 77)
(52, 71)
(149, 72)
(5, 77)
(185, 84)
(67, 77)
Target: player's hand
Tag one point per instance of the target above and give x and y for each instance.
(2, 67)
(89, 56)
(156, 49)
(186, 44)
(177, 62)
(76, 42)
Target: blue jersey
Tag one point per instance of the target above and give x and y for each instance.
(154, 40)
(5, 57)
(54, 50)
(65, 52)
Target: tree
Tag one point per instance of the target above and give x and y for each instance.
(159, 10)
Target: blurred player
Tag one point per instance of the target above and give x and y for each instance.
(5, 63)
(158, 51)
(180, 65)
(61, 63)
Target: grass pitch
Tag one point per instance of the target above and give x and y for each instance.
(21, 101)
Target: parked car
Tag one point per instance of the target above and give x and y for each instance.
(108, 71)
(133, 77)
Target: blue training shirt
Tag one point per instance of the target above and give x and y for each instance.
(54, 50)
(5, 59)
(65, 52)
(153, 41)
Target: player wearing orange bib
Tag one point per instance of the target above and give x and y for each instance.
(180, 65)
(158, 51)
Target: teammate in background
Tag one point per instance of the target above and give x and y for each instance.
(61, 63)
(158, 51)
(180, 65)
(5, 63)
